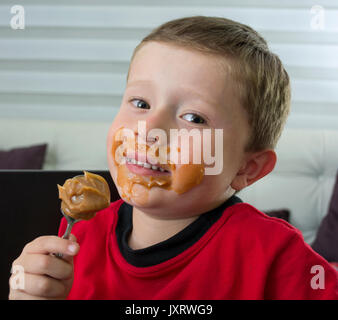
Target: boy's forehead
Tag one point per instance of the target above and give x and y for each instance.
(190, 71)
(189, 61)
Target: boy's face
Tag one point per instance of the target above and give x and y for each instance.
(170, 87)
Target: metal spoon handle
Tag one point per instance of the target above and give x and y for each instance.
(68, 230)
(70, 223)
(65, 236)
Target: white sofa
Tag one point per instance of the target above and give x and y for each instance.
(301, 182)
(71, 145)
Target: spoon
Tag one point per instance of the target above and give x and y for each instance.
(70, 222)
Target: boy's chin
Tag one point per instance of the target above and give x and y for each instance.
(143, 197)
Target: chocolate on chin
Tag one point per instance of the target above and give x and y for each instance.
(83, 196)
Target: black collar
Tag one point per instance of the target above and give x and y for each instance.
(171, 247)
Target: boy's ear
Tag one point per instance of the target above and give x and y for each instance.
(256, 166)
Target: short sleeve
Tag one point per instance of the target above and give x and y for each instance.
(299, 273)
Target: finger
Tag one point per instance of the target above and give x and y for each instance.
(47, 265)
(67, 257)
(20, 295)
(52, 244)
(43, 286)
(72, 238)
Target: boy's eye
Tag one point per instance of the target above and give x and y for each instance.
(138, 103)
(193, 118)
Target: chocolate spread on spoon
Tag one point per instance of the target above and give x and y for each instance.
(82, 196)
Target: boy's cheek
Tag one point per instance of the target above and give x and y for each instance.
(111, 140)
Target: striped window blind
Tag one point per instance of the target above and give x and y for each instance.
(71, 60)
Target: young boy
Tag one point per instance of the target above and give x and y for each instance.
(178, 233)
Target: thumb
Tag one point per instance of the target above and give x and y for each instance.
(72, 238)
(67, 257)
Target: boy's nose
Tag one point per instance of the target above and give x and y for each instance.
(148, 140)
(159, 121)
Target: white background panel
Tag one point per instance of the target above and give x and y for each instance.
(72, 52)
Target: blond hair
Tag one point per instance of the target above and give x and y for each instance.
(263, 83)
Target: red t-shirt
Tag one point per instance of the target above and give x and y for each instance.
(243, 255)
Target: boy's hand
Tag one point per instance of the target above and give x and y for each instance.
(45, 275)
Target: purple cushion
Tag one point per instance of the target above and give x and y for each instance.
(326, 242)
(281, 214)
(31, 157)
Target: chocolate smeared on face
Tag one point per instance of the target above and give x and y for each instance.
(83, 196)
(181, 178)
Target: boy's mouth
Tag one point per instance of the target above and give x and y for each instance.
(145, 168)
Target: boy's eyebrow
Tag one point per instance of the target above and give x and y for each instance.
(186, 89)
(200, 96)
(135, 82)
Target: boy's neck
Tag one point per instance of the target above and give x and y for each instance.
(148, 230)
